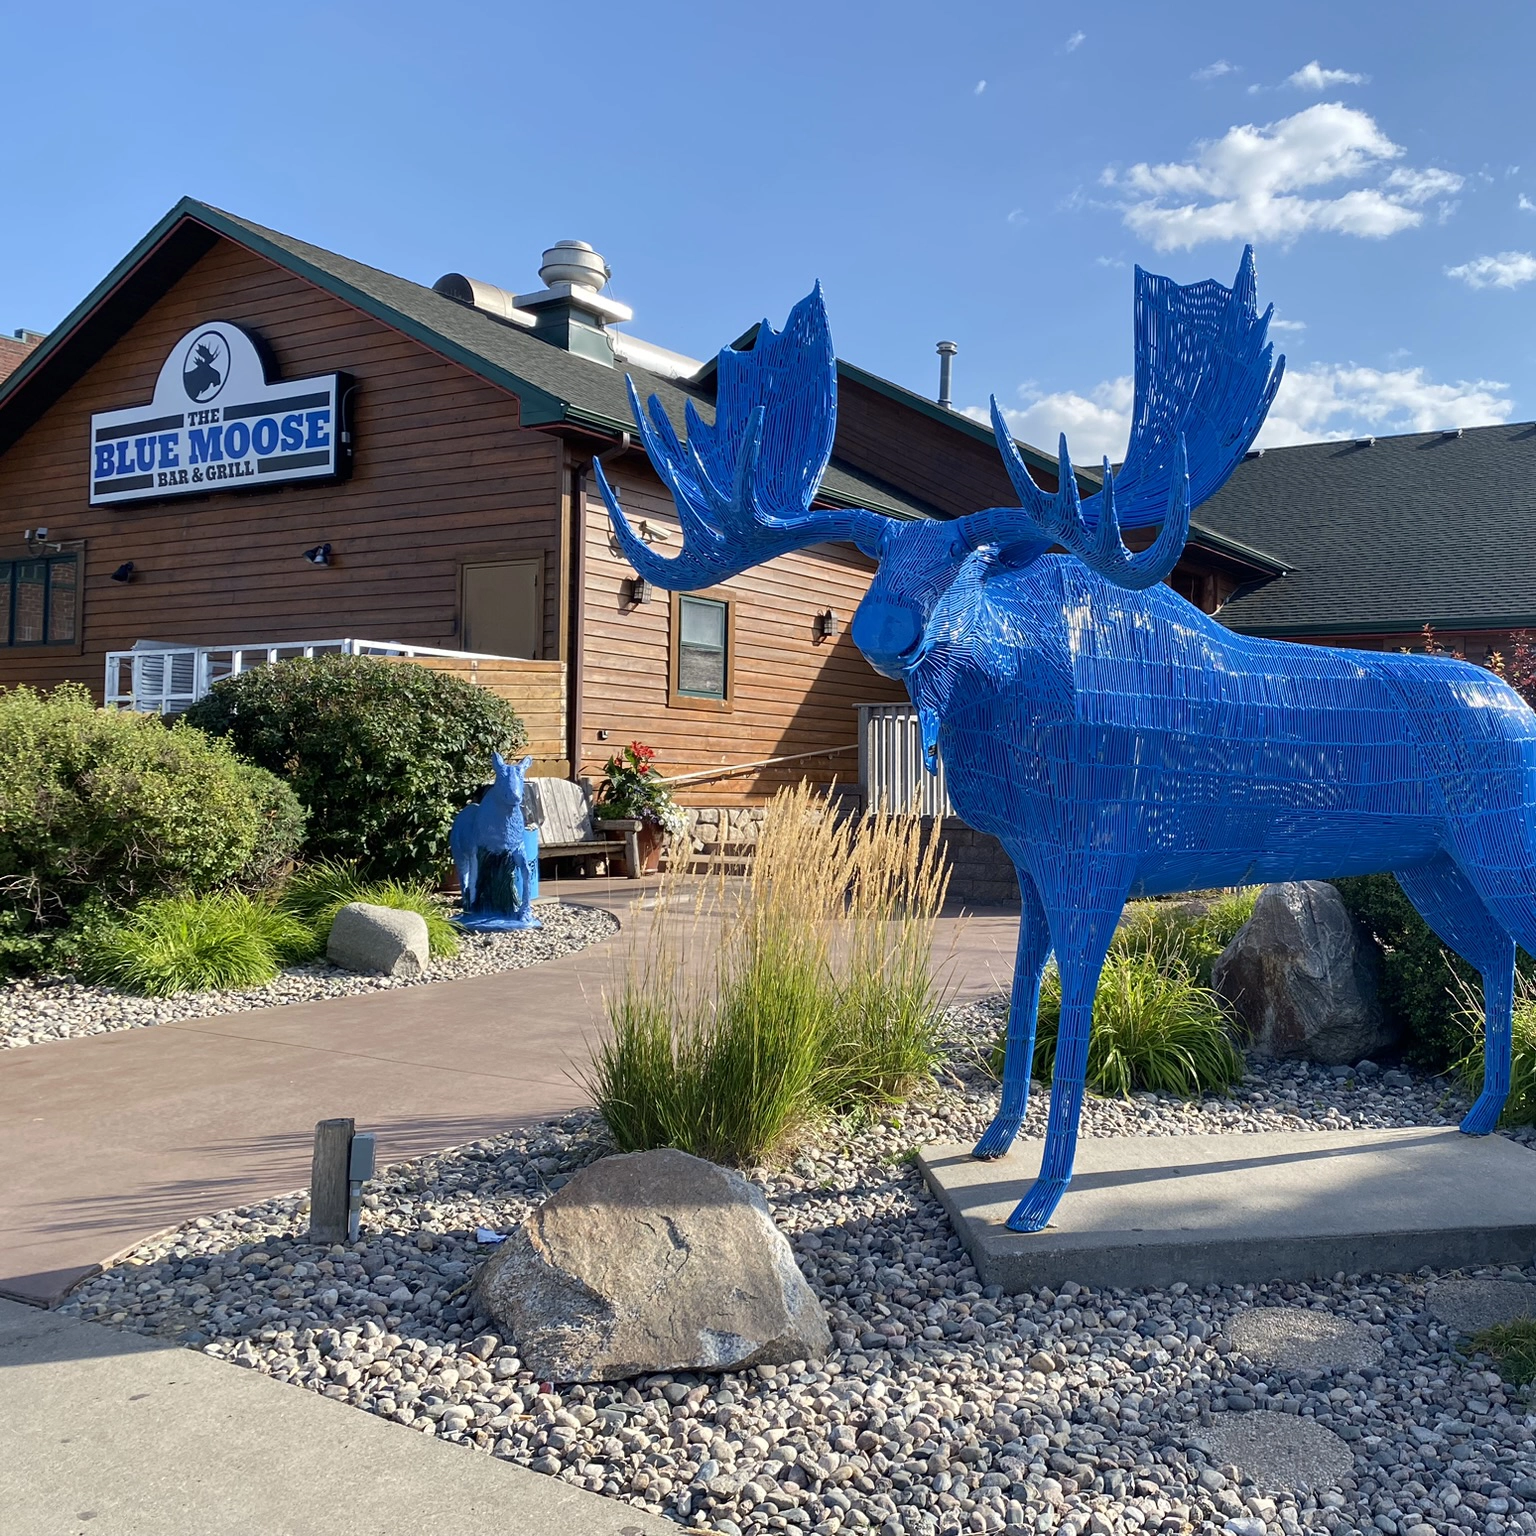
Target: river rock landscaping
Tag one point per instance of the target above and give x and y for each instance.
(35, 1009)
(943, 1408)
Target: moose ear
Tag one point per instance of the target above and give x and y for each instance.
(498, 762)
(525, 765)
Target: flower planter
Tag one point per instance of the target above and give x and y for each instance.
(647, 835)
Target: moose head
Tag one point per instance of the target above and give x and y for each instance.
(744, 486)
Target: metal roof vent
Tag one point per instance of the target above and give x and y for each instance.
(485, 296)
(1365, 442)
(1254, 453)
(1451, 432)
(574, 262)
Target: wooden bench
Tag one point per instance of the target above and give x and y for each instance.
(562, 811)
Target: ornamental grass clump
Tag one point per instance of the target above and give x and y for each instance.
(752, 1013)
(1154, 1028)
(1513, 1345)
(318, 891)
(1520, 1106)
(194, 944)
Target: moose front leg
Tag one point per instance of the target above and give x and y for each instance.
(1023, 1010)
(1083, 913)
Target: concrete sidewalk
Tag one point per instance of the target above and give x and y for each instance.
(106, 1434)
(111, 1138)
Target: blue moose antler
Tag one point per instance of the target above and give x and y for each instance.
(1115, 739)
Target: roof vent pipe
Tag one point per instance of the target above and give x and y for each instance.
(947, 350)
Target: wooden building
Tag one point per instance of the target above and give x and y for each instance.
(410, 465)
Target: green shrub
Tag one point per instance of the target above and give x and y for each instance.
(1421, 980)
(1520, 1106)
(109, 806)
(317, 892)
(819, 1000)
(382, 753)
(193, 944)
(1155, 1027)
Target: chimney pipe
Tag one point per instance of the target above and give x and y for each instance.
(947, 350)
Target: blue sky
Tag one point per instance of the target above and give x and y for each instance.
(987, 172)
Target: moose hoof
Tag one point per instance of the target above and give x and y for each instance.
(997, 1138)
(1035, 1210)
(1484, 1114)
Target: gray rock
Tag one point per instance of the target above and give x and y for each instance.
(652, 1261)
(383, 941)
(1302, 977)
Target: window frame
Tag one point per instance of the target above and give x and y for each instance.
(15, 555)
(676, 698)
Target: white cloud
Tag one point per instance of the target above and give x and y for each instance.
(1075, 42)
(981, 85)
(1287, 325)
(1108, 261)
(1018, 216)
(1509, 269)
(1215, 71)
(1524, 204)
(1248, 183)
(1332, 400)
(1313, 77)
(1326, 402)
(1097, 424)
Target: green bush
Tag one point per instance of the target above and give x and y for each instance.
(1196, 935)
(110, 807)
(1520, 1107)
(382, 753)
(1421, 980)
(317, 892)
(1154, 1027)
(193, 944)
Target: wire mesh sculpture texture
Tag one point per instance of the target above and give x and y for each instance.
(1115, 739)
(495, 854)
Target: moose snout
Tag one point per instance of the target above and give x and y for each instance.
(888, 634)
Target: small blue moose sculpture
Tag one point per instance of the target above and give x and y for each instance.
(496, 854)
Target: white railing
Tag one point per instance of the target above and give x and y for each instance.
(166, 679)
(891, 772)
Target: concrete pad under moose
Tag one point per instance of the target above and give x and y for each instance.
(1150, 1211)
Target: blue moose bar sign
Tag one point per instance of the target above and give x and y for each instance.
(216, 423)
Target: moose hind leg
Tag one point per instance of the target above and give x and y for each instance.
(1083, 918)
(1451, 905)
(1023, 1011)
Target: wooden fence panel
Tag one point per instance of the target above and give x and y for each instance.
(535, 689)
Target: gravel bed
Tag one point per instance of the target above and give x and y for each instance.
(58, 1008)
(944, 1408)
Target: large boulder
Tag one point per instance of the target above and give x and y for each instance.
(384, 941)
(652, 1261)
(1302, 976)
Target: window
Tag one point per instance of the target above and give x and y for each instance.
(40, 600)
(502, 612)
(701, 651)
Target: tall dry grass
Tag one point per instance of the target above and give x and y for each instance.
(749, 1011)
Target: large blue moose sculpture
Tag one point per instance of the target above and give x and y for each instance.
(1115, 739)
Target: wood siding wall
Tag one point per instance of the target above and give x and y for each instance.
(443, 476)
(535, 689)
(792, 693)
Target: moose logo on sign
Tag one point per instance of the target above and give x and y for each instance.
(202, 375)
(242, 429)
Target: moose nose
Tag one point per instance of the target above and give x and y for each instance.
(887, 633)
